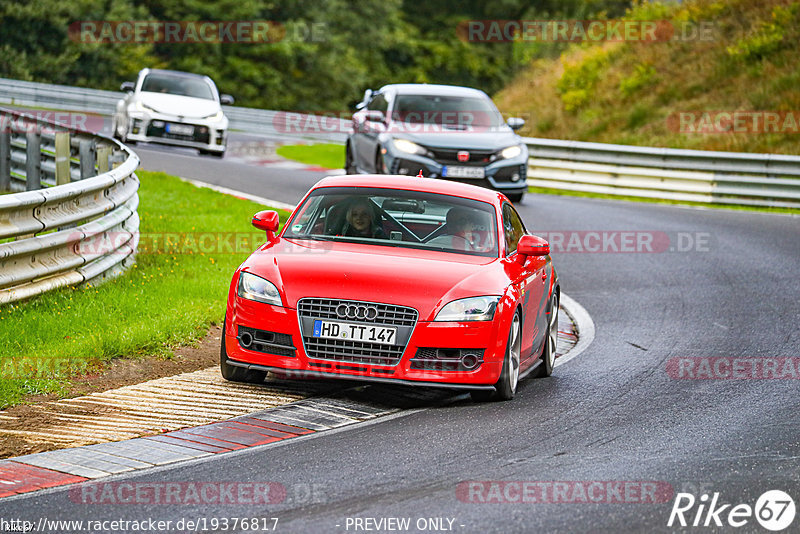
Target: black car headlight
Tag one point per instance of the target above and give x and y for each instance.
(252, 287)
(469, 309)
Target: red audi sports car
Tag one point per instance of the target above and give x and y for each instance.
(395, 279)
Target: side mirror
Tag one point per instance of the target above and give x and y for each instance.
(128, 87)
(268, 221)
(515, 123)
(226, 99)
(532, 245)
(365, 100)
(373, 115)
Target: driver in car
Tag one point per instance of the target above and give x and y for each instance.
(459, 230)
(362, 220)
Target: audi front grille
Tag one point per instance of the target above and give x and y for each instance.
(361, 313)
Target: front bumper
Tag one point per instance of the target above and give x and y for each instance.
(155, 127)
(246, 315)
(505, 175)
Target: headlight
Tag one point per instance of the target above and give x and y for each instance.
(511, 152)
(215, 117)
(403, 145)
(469, 309)
(252, 287)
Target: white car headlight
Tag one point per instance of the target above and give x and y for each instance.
(404, 145)
(469, 309)
(252, 287)
(215, 117)
(511, 152)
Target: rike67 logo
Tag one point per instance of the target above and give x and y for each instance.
(774, 510)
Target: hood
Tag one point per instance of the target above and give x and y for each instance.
(465, 140)
(183, 106)
(424, 280)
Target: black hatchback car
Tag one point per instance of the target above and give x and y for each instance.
(448, 132)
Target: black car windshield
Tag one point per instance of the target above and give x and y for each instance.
(177, 85)
(397, 218)
(456, 111)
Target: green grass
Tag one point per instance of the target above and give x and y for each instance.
(174, 292)
(565, 192)
(329, 156)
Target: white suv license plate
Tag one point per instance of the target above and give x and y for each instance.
(355, 332)
(451, 171)
(180, 129)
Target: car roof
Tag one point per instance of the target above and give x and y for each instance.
(412, 183)
(432, 89)
(176, 73)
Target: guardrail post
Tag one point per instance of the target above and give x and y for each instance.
(103, 154)
(62, 158)
(33, 161)
(5, 159)
(87, 154)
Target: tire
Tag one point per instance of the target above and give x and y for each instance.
(506, 386)
(548, 356)
(233, 373)
(349, 161)
(219, 155)
(515, 197)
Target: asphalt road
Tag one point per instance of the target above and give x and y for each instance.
(612, 415)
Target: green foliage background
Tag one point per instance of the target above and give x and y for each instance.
(365, 44)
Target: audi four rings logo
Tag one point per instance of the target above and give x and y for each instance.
(357, 311)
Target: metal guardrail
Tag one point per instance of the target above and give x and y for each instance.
(76, 220)
(771, 180)
(685, 175)
(248, 120)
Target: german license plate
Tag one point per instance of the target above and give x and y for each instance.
(180, 129)
(452, 171)
(355, 332)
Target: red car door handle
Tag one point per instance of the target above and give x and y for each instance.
(544, 275)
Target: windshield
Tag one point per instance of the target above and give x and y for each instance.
(446, 110)
(178, 85)
(397, 218)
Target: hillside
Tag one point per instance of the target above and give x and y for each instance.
(734, 86)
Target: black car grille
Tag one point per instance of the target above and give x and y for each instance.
(266, 342)
(200, 135)
(388, 314)
(432, 359)
(504, 174)
(477, 158)
(343, 350)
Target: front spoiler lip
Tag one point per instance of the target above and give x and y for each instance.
(343, 376)
(139, 138)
